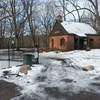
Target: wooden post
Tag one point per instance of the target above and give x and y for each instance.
(8, 54)
(78, 43)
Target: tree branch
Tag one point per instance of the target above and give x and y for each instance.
(83, 9)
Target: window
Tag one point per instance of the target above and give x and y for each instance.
(91, 43)
(52, 41)
(62, 42)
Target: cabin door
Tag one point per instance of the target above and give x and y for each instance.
(76, 43)
(80, 43)
(91, 43)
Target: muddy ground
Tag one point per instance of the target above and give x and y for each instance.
(10, 90)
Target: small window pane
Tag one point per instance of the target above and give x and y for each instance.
(62, 42)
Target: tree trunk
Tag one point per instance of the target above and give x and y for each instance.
(98, 25)
(17, 43)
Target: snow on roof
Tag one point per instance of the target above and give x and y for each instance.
(80, 29)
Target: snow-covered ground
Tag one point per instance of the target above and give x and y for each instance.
(57, 71)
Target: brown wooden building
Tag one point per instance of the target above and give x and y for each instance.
(73, 35)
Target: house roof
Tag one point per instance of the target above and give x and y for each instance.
(80, 29)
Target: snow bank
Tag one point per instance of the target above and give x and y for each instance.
(80, 58)
(54, 73)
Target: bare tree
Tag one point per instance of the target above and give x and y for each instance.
(30, 7)
(46, 21)
(2, 15)
(64, 7)
(17, 20)
(14, 18)
(95, 10)
(92, 8)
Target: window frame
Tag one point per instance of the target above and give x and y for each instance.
(62, 42)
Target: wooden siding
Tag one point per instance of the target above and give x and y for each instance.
(95, 43)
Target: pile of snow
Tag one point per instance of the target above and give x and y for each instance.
(79, 58)
(28, 82)
(59, 70)
(80, 29)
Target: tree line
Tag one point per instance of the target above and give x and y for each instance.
(19, 18)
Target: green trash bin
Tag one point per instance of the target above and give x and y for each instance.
(27, 59)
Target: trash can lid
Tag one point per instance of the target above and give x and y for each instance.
(28, 54)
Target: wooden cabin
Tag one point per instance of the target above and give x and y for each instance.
(73, 35)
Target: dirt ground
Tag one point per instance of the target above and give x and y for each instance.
(82, 95)
(8, 90)
(85, 96)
